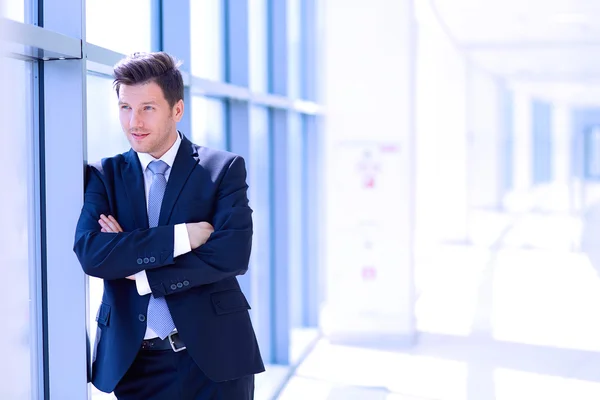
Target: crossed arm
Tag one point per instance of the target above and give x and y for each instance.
(105, 251)
(197, 232)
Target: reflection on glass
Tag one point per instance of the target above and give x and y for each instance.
(122, 26)
(208, 122)
(259, 28)
(207, 29)
(17, 301)
(295, 177)
(294, 17)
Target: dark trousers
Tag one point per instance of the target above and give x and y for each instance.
(166, 375)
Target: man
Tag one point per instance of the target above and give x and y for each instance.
(173, 322)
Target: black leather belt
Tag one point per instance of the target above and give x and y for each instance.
(171, 342)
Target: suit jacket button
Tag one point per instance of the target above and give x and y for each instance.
(152, 259)
(179, 285)
(186, 283)
(173, 287)
(140, 261)
(142, 317)
(146, 260)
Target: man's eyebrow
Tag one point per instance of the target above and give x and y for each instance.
(144, 103)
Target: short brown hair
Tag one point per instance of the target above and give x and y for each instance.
(158, 67)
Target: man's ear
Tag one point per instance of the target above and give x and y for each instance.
(178, 109)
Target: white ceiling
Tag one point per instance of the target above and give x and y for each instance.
(528, 40)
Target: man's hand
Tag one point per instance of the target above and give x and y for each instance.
(199, 232)
(110, 225)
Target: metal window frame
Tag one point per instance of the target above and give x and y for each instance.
(62, 136)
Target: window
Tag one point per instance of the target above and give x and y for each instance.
(207, 30)
(208, 122)
(18, 254)
(105, 137)
(294, 18)
(259, 194)
(259, 61)
(14, 9)
(295, 185)
(121, 26)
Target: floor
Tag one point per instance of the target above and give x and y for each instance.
(512, 314)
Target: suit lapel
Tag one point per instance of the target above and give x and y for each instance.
(184, 164)
(133, 179)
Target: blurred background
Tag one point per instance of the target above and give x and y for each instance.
(424, 174)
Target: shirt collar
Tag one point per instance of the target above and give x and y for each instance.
(168, 157)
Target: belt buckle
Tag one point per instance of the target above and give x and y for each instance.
(172, 342)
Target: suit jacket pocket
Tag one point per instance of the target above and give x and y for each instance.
(229, 301)
(103, 316)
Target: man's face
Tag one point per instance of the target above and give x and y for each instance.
(147, 119)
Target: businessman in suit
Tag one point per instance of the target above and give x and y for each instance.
(168, 227)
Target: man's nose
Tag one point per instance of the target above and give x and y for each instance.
(136, 121)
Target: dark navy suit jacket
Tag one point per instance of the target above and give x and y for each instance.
(200, 287)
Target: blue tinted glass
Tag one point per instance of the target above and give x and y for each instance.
(295, 177)
(207, 30)
(105, 138)
(294, 18)
(259, 193)
(17, 251)
(122, 26)
(259, 28)
(208, 122)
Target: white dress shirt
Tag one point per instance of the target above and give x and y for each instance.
(182, 239)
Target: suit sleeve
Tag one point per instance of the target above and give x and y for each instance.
(226, 253)
(116, 255)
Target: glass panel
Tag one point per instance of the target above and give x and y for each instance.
(105, 138)
(259, 28)
(13, 9)
(295, 177)
(259, 183)
(208, 122)
(126, 31)
(207, 30)
(17, 244)
(294, 18)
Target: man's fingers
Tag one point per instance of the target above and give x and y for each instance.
(104, 226)
(116, 224)
(109, 223)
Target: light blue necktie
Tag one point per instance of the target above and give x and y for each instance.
(159, 317)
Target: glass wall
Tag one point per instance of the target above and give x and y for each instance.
(18, 252)
(121, 26)
(259, 46)
(208, 122)
(294, 31)
(237, 113)
(207, 28)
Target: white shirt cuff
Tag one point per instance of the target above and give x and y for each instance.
(142, 284)
(182, 241)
